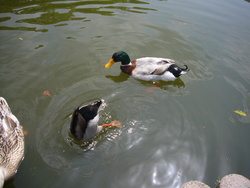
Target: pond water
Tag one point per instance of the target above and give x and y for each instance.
(172, 133)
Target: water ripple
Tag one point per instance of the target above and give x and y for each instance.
(26, 14)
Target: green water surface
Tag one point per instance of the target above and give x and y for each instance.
(172, 133)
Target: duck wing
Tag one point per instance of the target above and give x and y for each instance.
(78, 125)
(152, 66)
(161, 69)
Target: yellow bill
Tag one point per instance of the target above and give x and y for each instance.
(110, 63)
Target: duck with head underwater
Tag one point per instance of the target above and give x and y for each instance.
(84, 123)
(148, 68)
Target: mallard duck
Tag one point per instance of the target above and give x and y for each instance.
(84, 123)
(148, 68)
(11, 142)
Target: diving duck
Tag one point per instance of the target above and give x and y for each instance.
(148, 68)
(84, 123)
(11, 142)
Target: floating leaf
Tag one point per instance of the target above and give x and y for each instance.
(40, 46)
(21, 38)
(240, 112)
(25, 133)
(46, 92)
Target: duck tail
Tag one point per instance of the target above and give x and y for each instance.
(184, 70)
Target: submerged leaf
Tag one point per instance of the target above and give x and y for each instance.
(240, 112)
(20, 38)
(46, 92)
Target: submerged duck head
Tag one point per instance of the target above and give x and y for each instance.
(119, 56)
(85, 119)
(84, 124)
(89, 112)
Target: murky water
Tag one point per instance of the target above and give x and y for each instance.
(183, 130)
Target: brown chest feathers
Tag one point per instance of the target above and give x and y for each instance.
(128, 69)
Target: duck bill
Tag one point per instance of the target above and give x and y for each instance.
(110, 63)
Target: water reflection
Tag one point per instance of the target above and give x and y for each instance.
(56, 12)
(119, 78)
(124, 77)
(23, 29)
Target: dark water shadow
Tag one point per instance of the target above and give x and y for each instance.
(160, 84)
(119, 78)
(10, 183)
(163, 84)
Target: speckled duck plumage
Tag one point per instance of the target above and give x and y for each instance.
(11, 142)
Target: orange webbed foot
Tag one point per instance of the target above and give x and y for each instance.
(114, 123)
